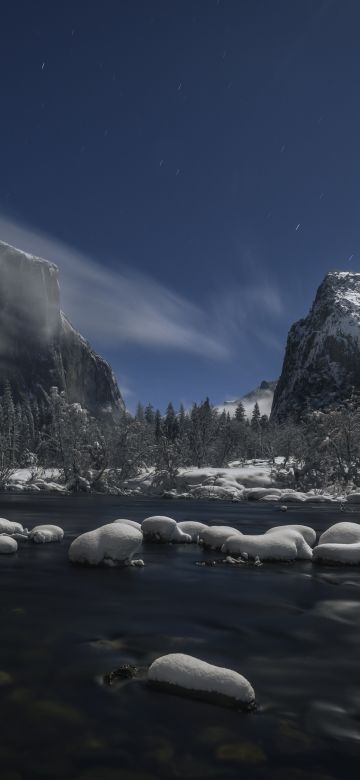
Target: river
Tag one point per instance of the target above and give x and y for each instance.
(292, 629)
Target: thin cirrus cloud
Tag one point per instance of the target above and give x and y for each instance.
(114, 308)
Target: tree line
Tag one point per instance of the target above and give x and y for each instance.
(323, 448)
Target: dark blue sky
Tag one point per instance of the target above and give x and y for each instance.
(211, 146)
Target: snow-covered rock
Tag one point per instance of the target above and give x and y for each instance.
(7, 545)
(286, 546)
(341, 533)
(178, 672)
(215, 535)
(322, 359)
(133, 523)
(10, 527)
(347, 553)
(159, 528)
(294, 497)
(254, 494)
(113, 544)
(308, 533)
(193, 528)
(216, 491)
(42, 534)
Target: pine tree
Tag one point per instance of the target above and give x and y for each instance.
(240, 413)
(158, 426)
(255, 417)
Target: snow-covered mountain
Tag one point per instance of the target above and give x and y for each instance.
(39, 348)
(263, 395)
(322, 358)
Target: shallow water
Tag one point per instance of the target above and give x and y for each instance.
(293, 630)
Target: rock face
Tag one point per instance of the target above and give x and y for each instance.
(322, 358)
(39, 348)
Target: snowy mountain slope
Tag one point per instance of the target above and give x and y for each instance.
(263, 395)
(39, 348)
(322, 358)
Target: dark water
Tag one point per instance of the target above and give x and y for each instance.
(293, 630)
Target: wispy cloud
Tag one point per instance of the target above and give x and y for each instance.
(120, 307)
(117, 307)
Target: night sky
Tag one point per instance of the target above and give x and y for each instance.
(203, 155)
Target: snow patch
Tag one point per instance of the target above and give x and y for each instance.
(180, 671)
(113, 544)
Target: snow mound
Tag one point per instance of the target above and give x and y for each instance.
(193, 528)
(255, 494)
(341, 533)
(133, 523)
(7, 545)
(214, 536)
(178, 672)
(347, 553)
(289, 545)
(308, 533)
(46, 533)
(160, 528)
(113, 544)
(217, 491)
(9, 527)
(294, 497)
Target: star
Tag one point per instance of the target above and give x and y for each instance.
(283, 148)
(177, 171)
(43, 66)
(297, 226)
(161, 163)
(321, 195)
(179, 86)
(350, 258)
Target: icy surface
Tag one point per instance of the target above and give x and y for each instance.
(287, 546)
(192, 674)
(46, 533)
(112, 544)
(215, 536)
(341, 533)
(7, 545)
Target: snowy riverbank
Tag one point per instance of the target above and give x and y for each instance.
(256, 480)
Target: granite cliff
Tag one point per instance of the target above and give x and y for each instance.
(39, 348)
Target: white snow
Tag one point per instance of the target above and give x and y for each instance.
(192, 674)
(348, 552)
(160, 528)
(133, 523)
(214, 536)
(112, 544)
(308, 533)
(286, 546)
(46, 533)
(10, 527)
(193, 528)
(341, 533)
(7, 545)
